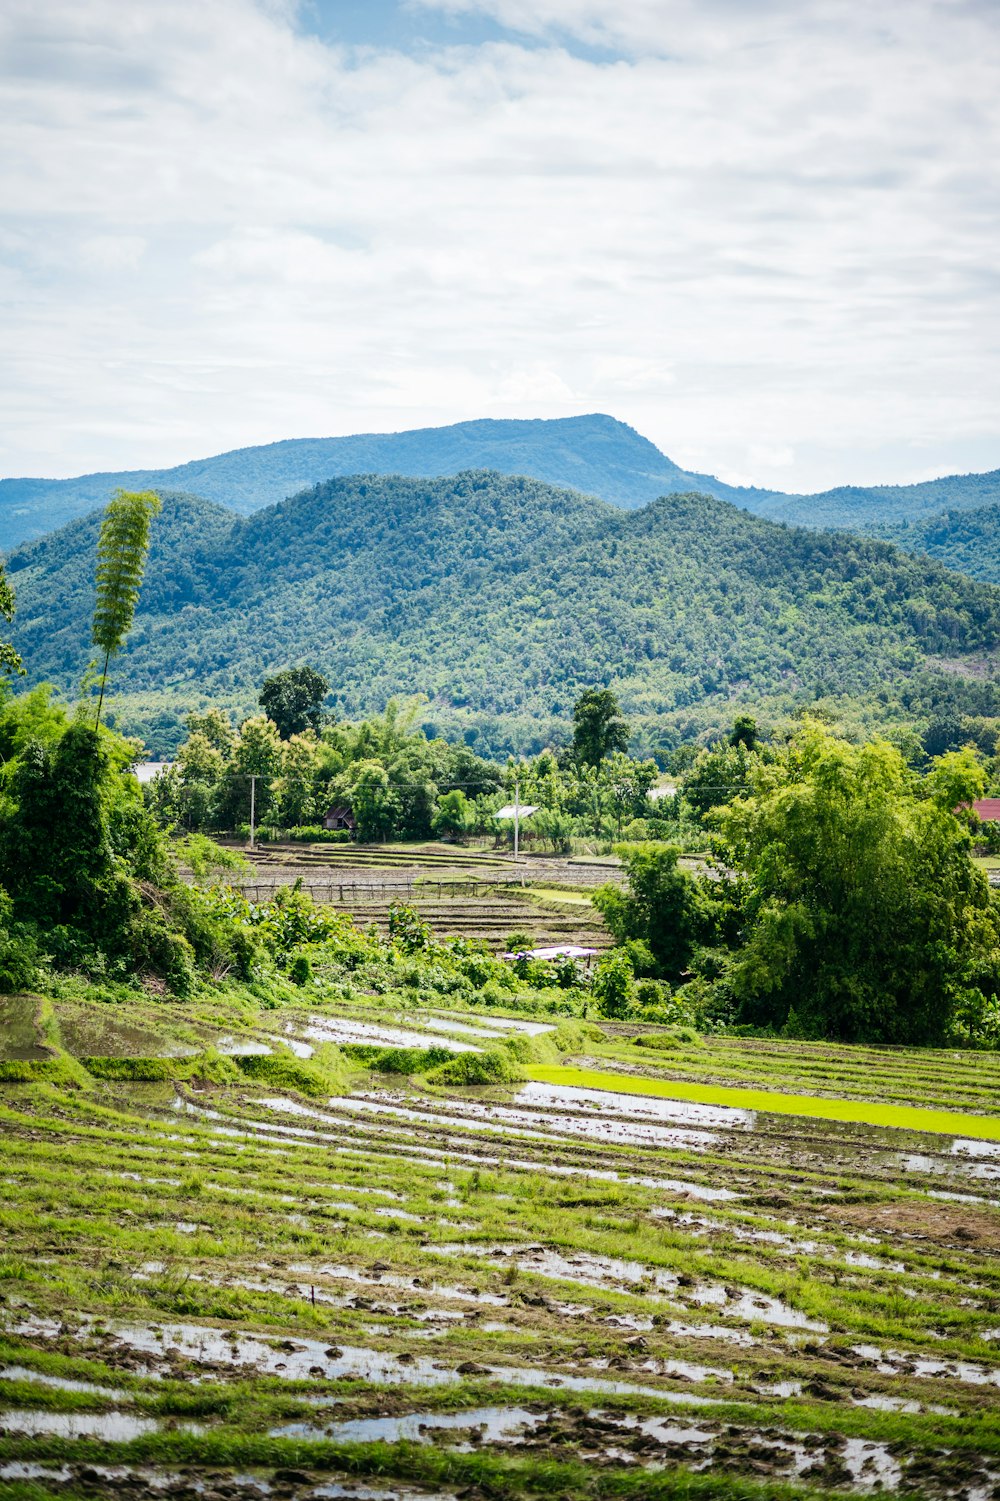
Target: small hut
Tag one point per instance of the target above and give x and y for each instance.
(340, 817)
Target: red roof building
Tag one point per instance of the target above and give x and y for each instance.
(987, 809)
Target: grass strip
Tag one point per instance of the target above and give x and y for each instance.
(862, 1112)
(494, 1475)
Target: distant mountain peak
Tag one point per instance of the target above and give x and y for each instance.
(592, 452)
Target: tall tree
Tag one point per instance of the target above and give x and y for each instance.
(864, 917)
(9, 659)
(598, 726)
(292, 699)
(121, 561)
(662, 907)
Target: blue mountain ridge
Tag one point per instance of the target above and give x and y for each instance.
(595, 454)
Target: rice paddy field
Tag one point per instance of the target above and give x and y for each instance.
(241, 1258)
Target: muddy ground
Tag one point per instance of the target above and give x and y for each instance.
(233, 1291)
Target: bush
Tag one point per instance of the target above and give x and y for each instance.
(300, 970)
(652, 993)
(495, 992)
(640, 956)
(662, 1042)
(19, 956)
(314, 1077)
(614, 984)
(385, 1060)
(636, 832)
(495, 1066)
(519, 941)
(408, 929)
(667, 1041)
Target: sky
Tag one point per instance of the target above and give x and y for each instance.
(762, 232)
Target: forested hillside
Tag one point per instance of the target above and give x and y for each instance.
(500, 599)
(595, 454)
(968, 541)
(872, 508)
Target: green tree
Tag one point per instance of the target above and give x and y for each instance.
(121, 561)
(719, 775)
(295, 790)
(865, 919)
(598, 727)
(662, 907)
(373, 800)
(9, 659)
(292, 700)
(627, 785)
(744, 732)
(455, 815)
(614, 985)
(256, 753)
(216, 728)
(552, 827)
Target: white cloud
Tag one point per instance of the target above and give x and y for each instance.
(764, 234)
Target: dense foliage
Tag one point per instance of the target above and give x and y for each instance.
(598, 727)
(864, 917)
(88, 879)
(844, 902)
(966, 540)
(502, 600)
(396, 783)
(594, 454)
(293, 700)
(868, 508)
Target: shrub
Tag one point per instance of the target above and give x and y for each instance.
(19, 956)
(300, 970)
(652, 993)
(408, 929)
(495, 1066)
(614, 984)
(385, 1060)
(640, 956)
(309, 1076)
(519, 941)
(667, 1041)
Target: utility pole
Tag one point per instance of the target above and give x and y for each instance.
(253, 806)
(517, 809)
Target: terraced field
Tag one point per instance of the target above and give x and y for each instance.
(492, 919)
(398, 1289)
(473, 896)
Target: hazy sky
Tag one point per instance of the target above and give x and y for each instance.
(764, 232)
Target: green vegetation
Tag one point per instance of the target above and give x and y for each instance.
(292, 700)
(121, 560)
(393, 780)
(598, 727)
(813, 1107)
(212, 1276)
(288, 1197)
(864, 917)
(966, 540)
(594, 454)
(502, 600)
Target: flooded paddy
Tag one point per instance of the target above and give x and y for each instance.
(238, 1290)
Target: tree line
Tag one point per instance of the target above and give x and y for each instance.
(835, 895)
